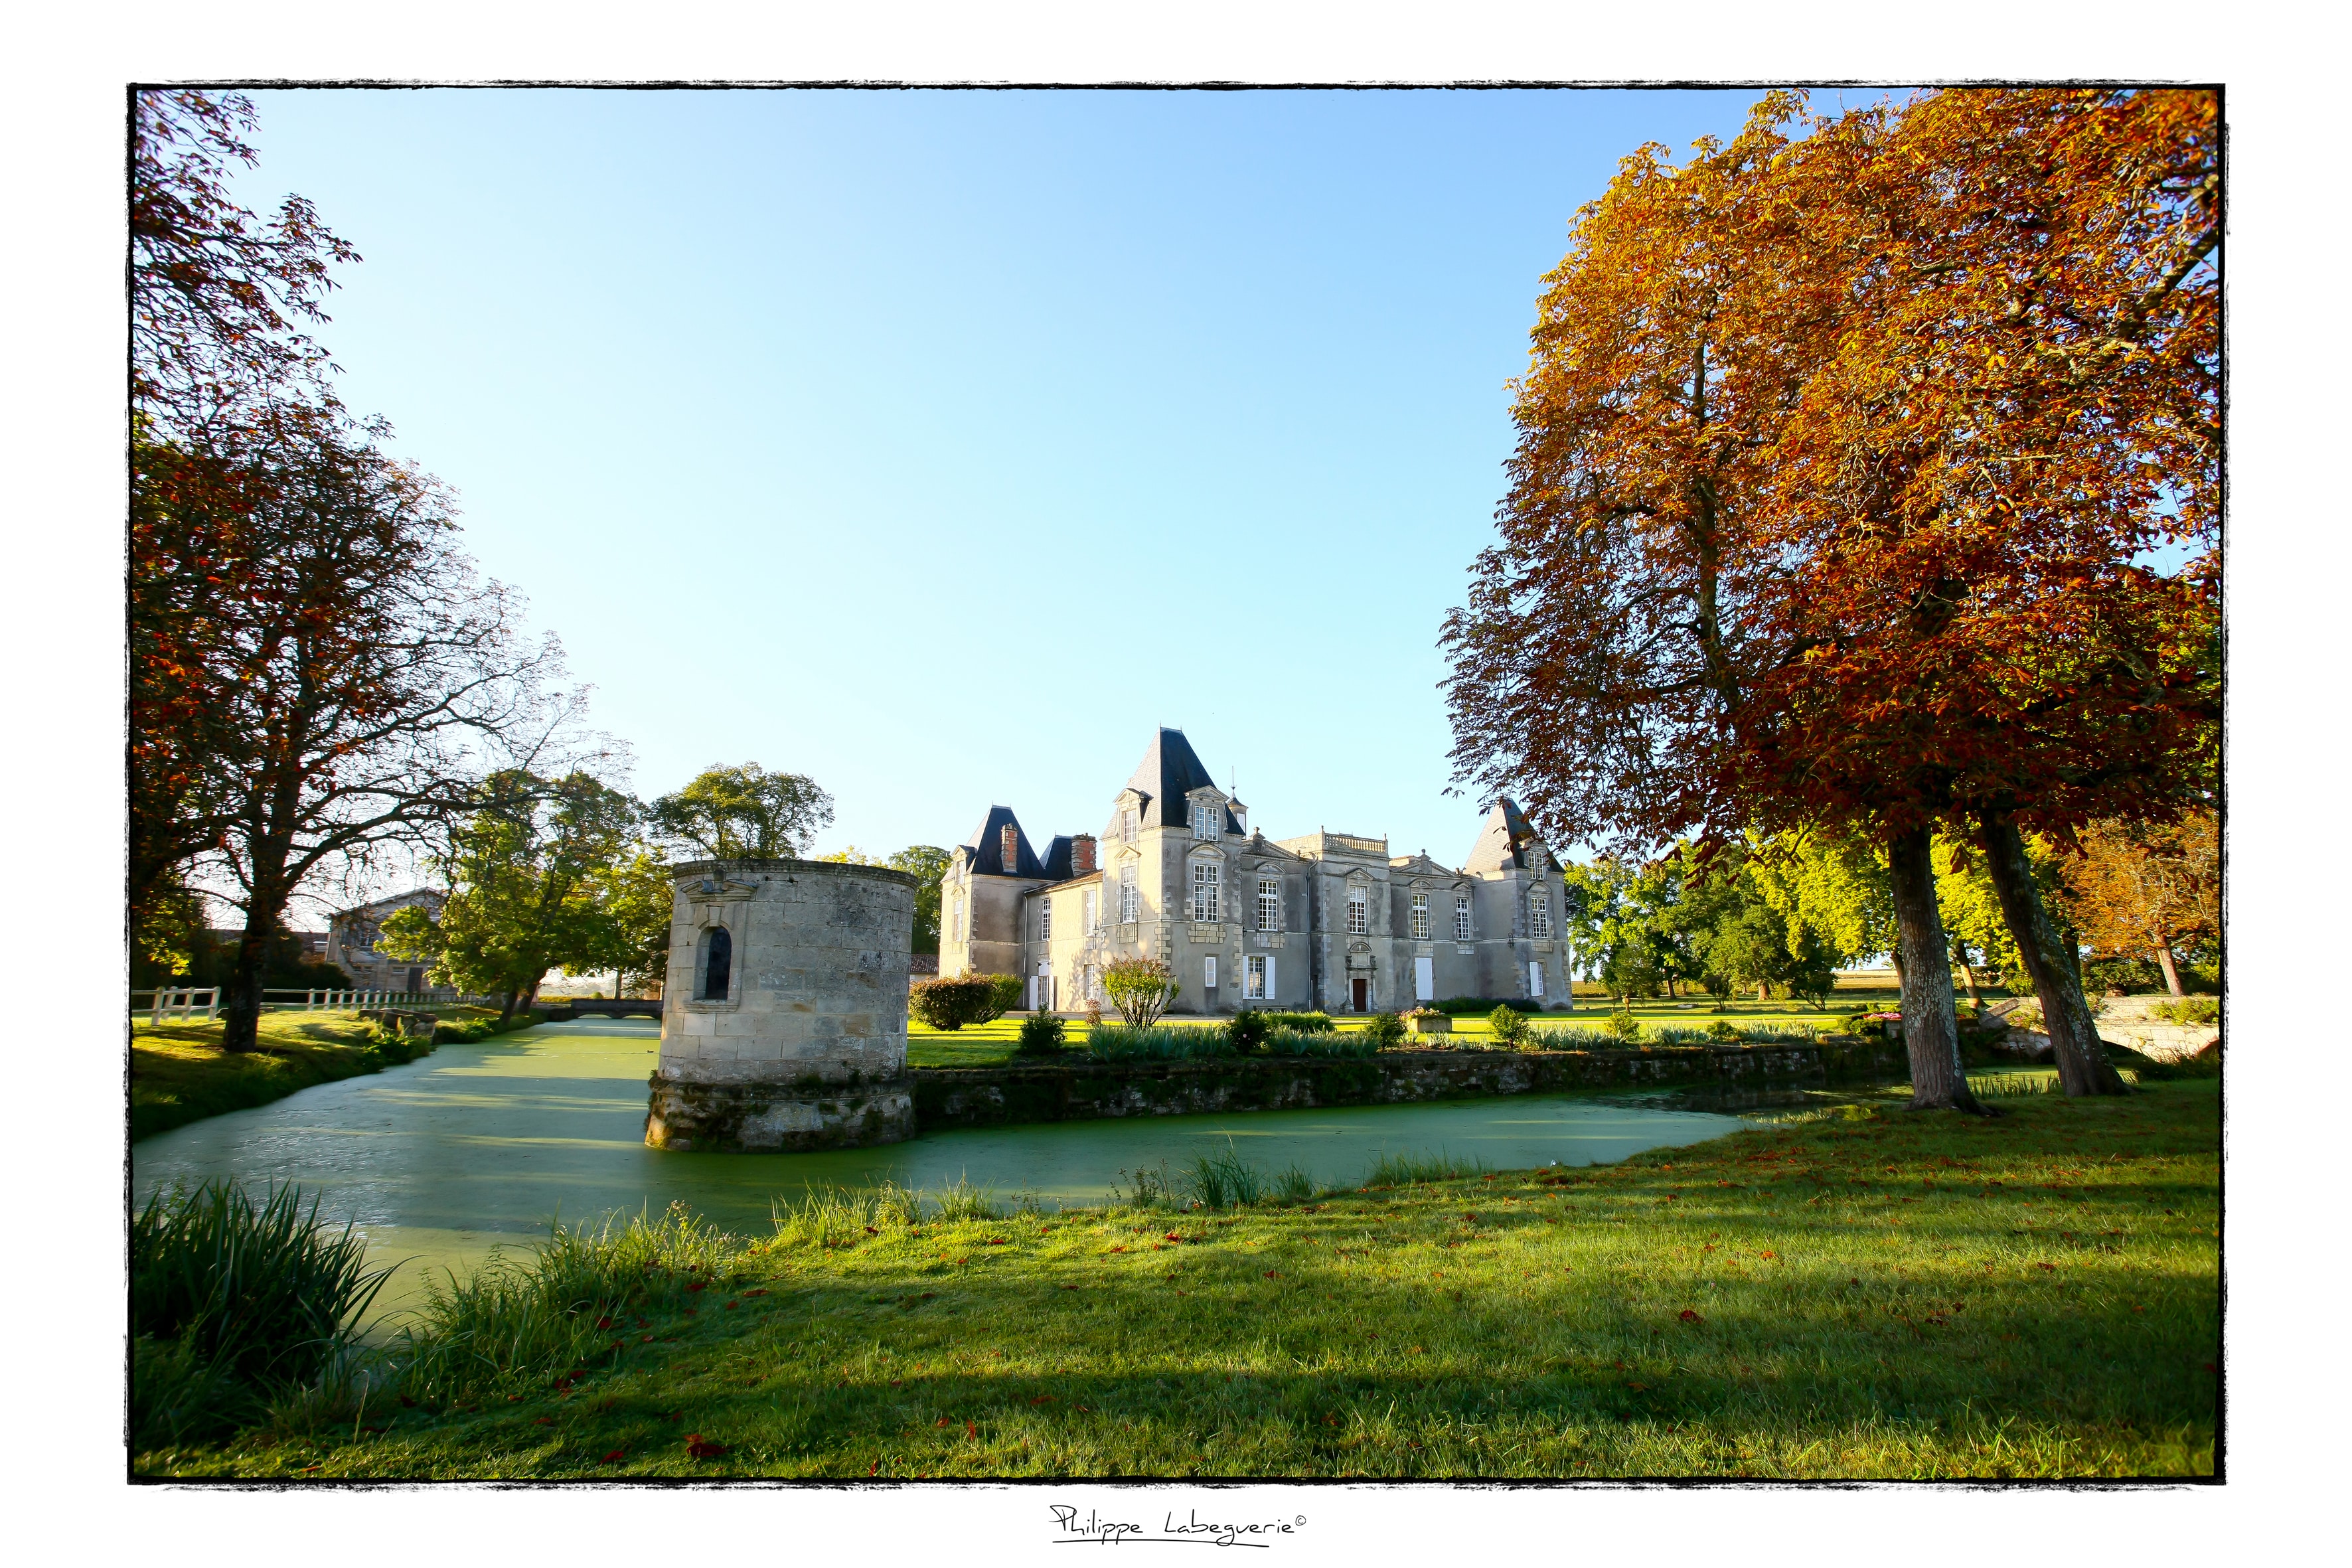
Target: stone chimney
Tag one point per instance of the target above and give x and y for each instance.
(1082, 855)
(1009, 846)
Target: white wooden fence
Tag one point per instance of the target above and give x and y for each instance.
(205, 1001)
(183, 1001)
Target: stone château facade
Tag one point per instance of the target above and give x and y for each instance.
(1326, 921)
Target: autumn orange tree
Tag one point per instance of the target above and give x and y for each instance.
(1786, 547)
(2022, 403)
(2149, 888)
(318, 676)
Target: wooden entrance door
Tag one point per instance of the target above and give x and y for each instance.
(1359, 991)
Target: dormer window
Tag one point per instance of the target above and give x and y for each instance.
(1009, 846)
(1204, 819)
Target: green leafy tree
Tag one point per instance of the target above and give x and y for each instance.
(743, 813)
(527, 872)
(926, 863)
(639, 900)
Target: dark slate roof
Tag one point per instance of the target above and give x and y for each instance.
(1507, 843)
(987, 855)
(1169, 771)
(1057, 858)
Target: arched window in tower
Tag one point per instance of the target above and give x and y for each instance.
(718, 963)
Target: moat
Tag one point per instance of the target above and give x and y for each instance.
(481, 1145)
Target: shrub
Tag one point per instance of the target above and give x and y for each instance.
(1003, 995)
(1301, 1023)
(1673, 1035)
(1248, 1032)
(1124, 1042)
(2200, 1012)
(1510, 1026)
(1042, 1035)
(1384, 1030)
(1141, 988)
(1468, 1006)
(1723, 1033)
(1623, 1028)
(950, 1004)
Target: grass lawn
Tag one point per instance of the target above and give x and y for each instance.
(1862, 1293)
(180, 1074)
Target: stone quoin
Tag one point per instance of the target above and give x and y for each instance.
(784, 1011)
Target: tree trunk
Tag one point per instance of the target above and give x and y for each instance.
(1763, 991)
(1968, 975)
(2172, 970)
(241, 997)
(1931, 1027)
(507, 1013)
(2083, 1067)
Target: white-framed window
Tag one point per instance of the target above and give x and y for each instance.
(1461, 920)
(1539, 913)
(1253, 978)
(1269, 903)
(1045, 919)
(1093, 911)
(955, 919)
(1421, 917)
(1126, 825)
(1205, 820)
(1359, 909)
(1204, 889)
(1209, 971)
(1127, 901)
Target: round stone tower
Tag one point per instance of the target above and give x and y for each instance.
(784, 1011)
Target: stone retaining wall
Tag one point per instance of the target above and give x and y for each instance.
(988, 1097)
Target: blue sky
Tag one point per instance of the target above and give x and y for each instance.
(939, 445)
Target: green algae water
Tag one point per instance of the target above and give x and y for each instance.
(482, 1145)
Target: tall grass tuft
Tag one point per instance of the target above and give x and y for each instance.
(1316, 1043)
(1224, 1180)
(234, 1299)
(965, 1202)
(513, 1323)
(1402, 1169)
(1123, 1042)
(1292, 1184)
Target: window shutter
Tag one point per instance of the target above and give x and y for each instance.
(1271, 994)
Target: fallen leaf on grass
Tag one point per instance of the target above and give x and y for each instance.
(614, 1457)
(1688, 1316)
(702, 1447)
